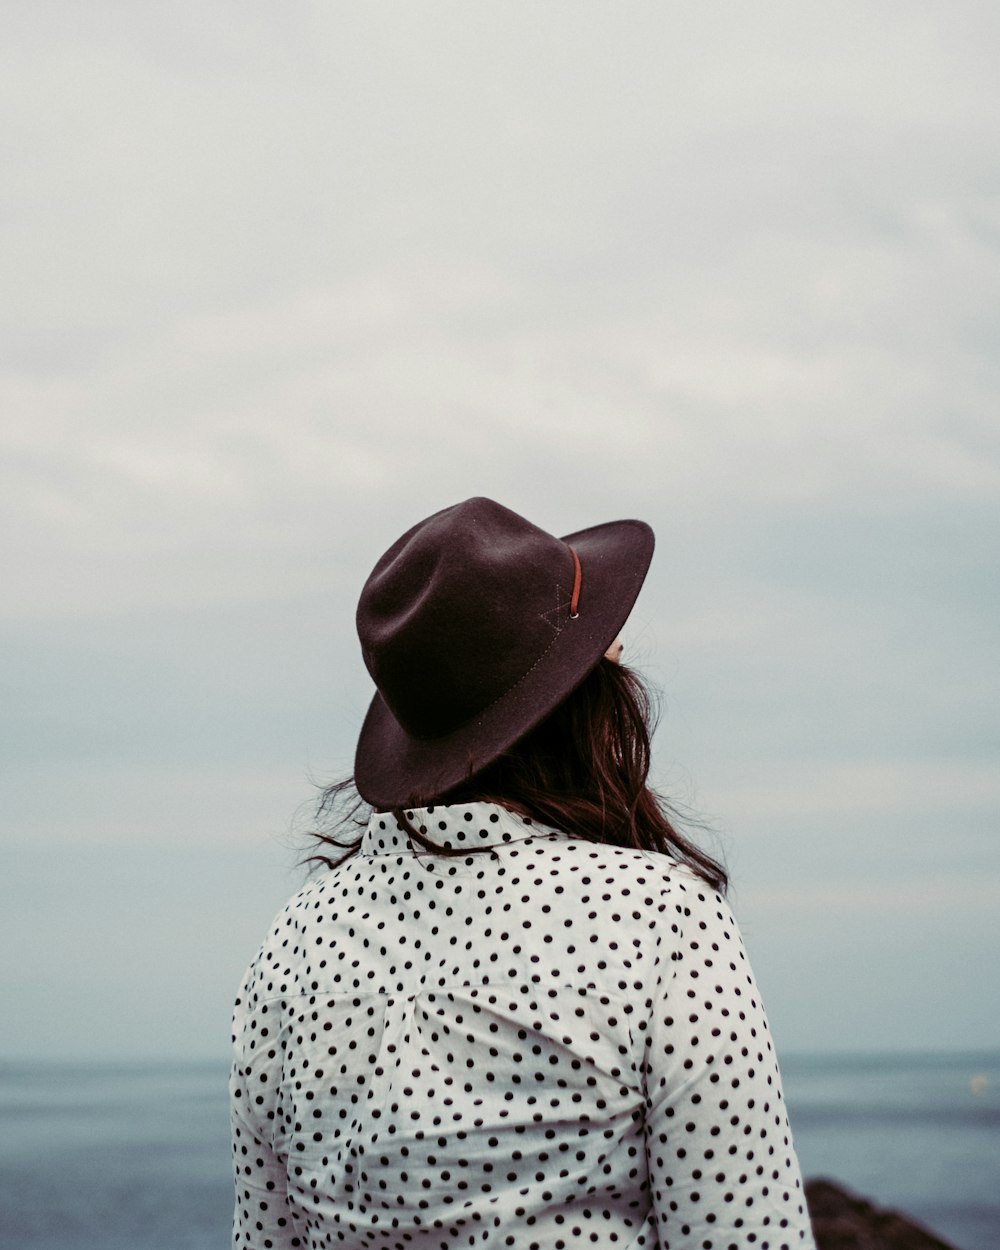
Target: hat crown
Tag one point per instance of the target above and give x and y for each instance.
(459, 610)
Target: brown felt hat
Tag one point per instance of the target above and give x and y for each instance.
(474, 626)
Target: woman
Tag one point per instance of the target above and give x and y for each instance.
(516, 1010)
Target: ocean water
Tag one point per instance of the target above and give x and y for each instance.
(920, 1133)
(137, 1157)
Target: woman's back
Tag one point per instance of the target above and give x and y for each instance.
(551, 1042)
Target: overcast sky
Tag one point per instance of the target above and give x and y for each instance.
(281, 280)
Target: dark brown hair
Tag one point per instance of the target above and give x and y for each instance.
(584, 770)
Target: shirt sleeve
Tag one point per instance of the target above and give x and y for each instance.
(261, 1217)
(723, 1172)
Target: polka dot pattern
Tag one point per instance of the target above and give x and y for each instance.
(548, 1043)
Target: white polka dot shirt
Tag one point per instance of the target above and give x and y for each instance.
(549, 1043)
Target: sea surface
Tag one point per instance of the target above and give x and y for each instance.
(136, 1157)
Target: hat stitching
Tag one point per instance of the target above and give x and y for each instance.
(556, 611)
(524, 676)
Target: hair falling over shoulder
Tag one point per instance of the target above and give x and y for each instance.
(584, 769)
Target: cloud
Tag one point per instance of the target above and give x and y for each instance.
(278, 284)
(937, 899)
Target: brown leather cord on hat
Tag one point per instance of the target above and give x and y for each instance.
(574, 601)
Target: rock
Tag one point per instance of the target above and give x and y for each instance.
(843, 1221)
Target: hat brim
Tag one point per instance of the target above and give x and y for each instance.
(392, 769)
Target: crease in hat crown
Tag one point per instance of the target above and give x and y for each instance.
(466, 628)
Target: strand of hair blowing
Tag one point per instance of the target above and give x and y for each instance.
(584, 770)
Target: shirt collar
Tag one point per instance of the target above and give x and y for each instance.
(462, 826)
